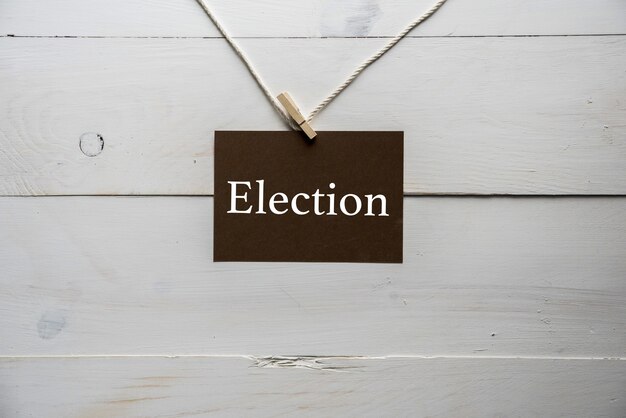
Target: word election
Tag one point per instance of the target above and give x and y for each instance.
(302, 203)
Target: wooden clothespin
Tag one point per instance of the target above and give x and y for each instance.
(295, 114)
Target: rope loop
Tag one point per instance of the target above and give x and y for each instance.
(275, 104)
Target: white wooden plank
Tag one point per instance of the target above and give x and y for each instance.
(481, 115)
(482, 276)
(308, 18)
(234, 387)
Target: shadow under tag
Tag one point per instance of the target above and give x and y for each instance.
(279, 197)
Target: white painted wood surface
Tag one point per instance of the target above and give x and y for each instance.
(481, 277)
(237, 387)
(522, 300)
(310, 18)
(481, 115)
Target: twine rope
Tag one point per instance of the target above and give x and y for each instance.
(275, 104)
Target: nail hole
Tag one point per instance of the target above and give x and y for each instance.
(91, 144)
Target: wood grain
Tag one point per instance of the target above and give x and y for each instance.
(232, 387)
(521, 300)
(311, 18)
(481, 115)
(482, 277)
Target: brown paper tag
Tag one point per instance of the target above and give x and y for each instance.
(279, 197)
